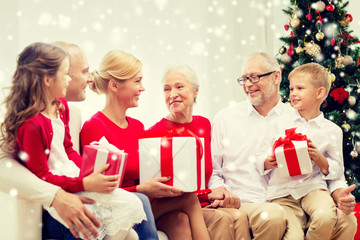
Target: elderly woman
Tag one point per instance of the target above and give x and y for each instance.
(181, 88)
(119, 77)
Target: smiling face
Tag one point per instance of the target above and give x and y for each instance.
(129, 90)
(58, 84)
(304, 96)
(262, 92)
(80, 75)
(179, 94)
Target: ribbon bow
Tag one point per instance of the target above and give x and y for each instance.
(103, 143)
(290, 156)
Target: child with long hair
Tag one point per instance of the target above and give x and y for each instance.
(36, 128)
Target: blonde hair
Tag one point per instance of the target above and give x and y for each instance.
(117, 65)
(319, 75)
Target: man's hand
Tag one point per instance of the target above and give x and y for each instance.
(221, 197)
(344, 199)
(71, 209)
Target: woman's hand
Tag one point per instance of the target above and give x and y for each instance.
(155, 188)
(98, 182)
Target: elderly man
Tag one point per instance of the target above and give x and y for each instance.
(238, 136)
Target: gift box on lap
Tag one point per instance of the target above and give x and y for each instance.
(99, 154)
(292, 154)
(180, 157)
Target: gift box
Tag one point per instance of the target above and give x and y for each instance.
(101, 153)
(292, 154)
(357, 215)
(180, 157)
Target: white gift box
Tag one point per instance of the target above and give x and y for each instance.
(184, 160)
(294, 166)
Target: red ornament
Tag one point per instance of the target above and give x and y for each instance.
(359, 61)
(333, 42)
(349, 17)
(309, 16)
(286, 26)
(290, 51)
(339, 95)
(292, 34)
(330, 7)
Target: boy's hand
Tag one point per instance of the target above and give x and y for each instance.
(318, 158)
(270, 162)
(98, 182)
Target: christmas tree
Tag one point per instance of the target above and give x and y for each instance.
(319, 32)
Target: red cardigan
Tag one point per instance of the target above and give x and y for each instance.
(123, 138)
(34, 137)
(202, 128)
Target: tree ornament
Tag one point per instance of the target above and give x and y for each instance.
(319, 36)
(285, 58)
(286, 26)
(320, 6)
(346, 127)
(299, 50)
(290, 51)
(354, 153)
(347, 60)
(332, 77)
(339, 60)
(295, 22)
(319, 18)
(309, 16)
(351, 101)
(282, 49)
(346, 20)
(312, 48)
(330, 8)
(345, 36)
(333, 42)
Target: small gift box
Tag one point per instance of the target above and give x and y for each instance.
(292, 154)
(98, 154)
(179, 155)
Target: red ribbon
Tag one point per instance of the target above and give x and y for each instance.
(289, 150)
(166, 161)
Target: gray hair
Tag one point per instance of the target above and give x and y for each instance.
(270, 62)
(185, 70)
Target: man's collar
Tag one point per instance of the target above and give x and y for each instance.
(317, 120)
(275, 110)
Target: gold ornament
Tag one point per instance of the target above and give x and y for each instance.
(299, 50)
(333, 77)
(347, 60)
(344, 22)
(282, 50)
(319, 36)
(351, 101)
(339, 60)
(295, 22)
(346, 127)
(312, 48)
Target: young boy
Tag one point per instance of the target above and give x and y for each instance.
(308, 193)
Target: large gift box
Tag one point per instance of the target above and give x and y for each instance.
(179, 155)
(99, 154)
(292, 154)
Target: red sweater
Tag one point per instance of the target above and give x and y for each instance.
(123, 138)
(34, 137)
(202, 128)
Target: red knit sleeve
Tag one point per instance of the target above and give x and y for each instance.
(68, 145)
(34, 147)
(92, 130)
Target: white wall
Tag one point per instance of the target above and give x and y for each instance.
(211, 36)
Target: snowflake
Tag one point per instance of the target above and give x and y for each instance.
(88, 46)
(13, 192)
(239, 20)
(261, 21)
(47, 151)
(8, 164)
(23, 156)
(264, 215)
(97, 26)
(139, 11)
(45, 19)
(19, 13)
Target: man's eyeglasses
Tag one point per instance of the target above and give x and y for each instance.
(252, 78)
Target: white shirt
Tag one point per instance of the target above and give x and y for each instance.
(327, 137)
(75, 123)
(238, 135)
(59, 162)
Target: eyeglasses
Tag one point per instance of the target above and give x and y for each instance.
(252, 78)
